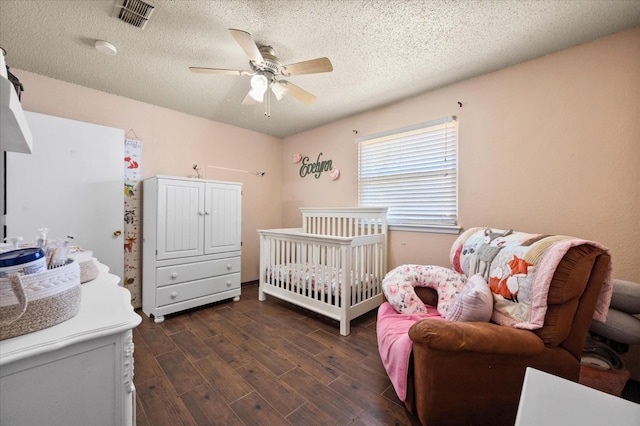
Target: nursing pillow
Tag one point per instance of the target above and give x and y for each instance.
(398, 287)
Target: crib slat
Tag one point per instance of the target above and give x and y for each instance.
(325, 288)
(275, 251)
(296, 260)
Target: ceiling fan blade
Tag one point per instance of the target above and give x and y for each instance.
(312, 66)
(298, 93)
(218, 71)
(245, 40)
(248, 100)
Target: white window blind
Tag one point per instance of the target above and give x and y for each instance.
(413, 171)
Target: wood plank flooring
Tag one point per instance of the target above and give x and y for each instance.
(261, 363)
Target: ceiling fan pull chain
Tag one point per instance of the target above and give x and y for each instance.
(267, 104)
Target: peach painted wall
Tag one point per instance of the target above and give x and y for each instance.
(549, 146)
(173, 142)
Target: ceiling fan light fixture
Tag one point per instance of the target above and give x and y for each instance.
(259, 84)
(257, 95)
(279, 89)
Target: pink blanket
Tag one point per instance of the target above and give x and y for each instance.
(395, 345)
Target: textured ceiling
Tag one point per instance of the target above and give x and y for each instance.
(382, 50)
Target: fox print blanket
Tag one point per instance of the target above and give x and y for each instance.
(519, 268)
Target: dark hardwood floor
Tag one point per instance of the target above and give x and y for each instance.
(261, 363)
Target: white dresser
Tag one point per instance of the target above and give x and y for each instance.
(192, 243)
(78, 372)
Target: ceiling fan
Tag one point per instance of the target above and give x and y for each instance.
(266, 69)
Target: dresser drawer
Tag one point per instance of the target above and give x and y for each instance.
(194, 289)
(168, 275)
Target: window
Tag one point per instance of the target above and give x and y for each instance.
(414, 171)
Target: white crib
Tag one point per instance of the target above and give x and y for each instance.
(310, 266)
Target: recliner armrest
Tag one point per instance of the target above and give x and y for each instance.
(475, 337)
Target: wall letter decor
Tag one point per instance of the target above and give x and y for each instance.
(316, 168)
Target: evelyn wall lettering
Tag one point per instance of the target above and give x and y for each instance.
(316, 168)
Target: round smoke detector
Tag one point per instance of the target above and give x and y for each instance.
(105, 47)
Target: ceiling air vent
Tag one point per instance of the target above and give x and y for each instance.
(134, 12)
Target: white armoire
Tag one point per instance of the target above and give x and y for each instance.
(192, 243)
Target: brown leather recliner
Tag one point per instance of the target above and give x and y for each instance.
(472, 373)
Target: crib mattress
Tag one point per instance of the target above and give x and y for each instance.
(319, 277)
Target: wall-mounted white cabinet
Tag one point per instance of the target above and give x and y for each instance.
(14, 131)
(192, 243)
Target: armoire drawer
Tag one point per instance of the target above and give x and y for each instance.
(193, 289)
(168, 275)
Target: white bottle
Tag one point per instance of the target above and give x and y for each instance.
(41, 237)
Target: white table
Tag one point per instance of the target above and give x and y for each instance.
(551, 400)
(77, 372)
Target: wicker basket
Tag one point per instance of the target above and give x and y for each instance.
(32, 302)
(88, 269)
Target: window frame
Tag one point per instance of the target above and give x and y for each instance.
(449, 222)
